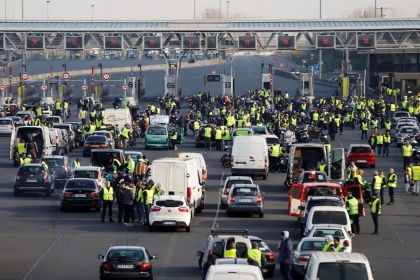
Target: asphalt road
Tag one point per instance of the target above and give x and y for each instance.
(40, 242)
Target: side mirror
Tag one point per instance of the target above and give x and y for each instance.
(294, 246)
(100, 256)
(263, 193)
(373, 270)
(153, 257)
(221, 186)
(351, 235)
(199, 254)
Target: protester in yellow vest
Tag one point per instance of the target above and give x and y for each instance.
(375, 211)
(257, 255)
(107, 196)
(392, 184)
(231, 251)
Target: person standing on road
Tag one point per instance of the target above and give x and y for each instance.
(120, 201)
(364, 128)
(392, 184)
(107, 195)
(379, 143)
(375, 210)
(352, 206)
(285, 248)
(387, 143)
(407, 151)
(148, 195)
(416, 179)
(372, 142)
(337, 245)
(383, 184)
(352, 170)
(128, 199)
(332, 128)
(207, 137)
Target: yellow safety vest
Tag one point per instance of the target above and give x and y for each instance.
(227, 135)
(150, 195)
(196, 125)
(328, 146)
(392, 108)
(58, 105)
(275, 151)
(378, 182)
(76, 163)
(387, 125)
(387, 139)
(38, 112)
(326, 246)
(131, 166)
(114, 166)
(379, 140)
(392, 176)
(66, 105)
(340, 248)
(256, 255)
(124, 133)
(27, 160)
(353, 205)
(416, 172)
(322, 167)
(231, 253)
(315, 116)
(21, 148)
(108, 193)
(83, 114)
(374, 205)
(207, 132)
(218, 135)
(409, 170)
(406, 150)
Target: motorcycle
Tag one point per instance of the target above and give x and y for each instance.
(411, 138)
(288, 139)
(117, 102)
(226, 160)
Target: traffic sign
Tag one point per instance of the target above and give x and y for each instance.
(124, 87)
(281, 64)
(213, 72)
(44, 87)
(65, 76)
(311, 69)
(316, 67)
(106, 76)
(84, 87)
(322, 63)
(24, 76)
(2, 87)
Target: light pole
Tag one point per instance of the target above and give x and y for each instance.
(320, 9)
(48, 12)
(194, 9)
(92, 11)
(65, 71)
(320, 51)
(5, 6)
(22, 10)
(227, 10)
(220, 6)
(375, 8)
(100, 66)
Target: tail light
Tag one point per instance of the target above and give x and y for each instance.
(56, 140)
(66, 167)
(167, 140)
(71, 132)
(204, 175)
(393, 119)
(155, 209)
(231, 160)
(399, 135)
(259, 199)
(106, 266)
(43, 151)
(17, 177)
(104, 146)
(188, 194)
(349, 232)
(208, 255)
(45, 177)
(86, 145)
(271, 257)
(251, 158)
(346, 243)
(94, 194)
(183, 209)
(99, 176)
(145, 266)
(265, 162)
(303, 259)
(66, 194)
(232, 199)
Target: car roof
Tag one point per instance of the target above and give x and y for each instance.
(235, 261)
(328, 208)
(327, 226)
(53, 156)
(269, 136)
(408, 126)
(171, 197)
(126, 248)
(107, 150)
(321, 184)
(359, 145)
(254, 238)
(238, 178)
(33, 164)
(312, 239)
(81, 179)
(235, 268)
(244, 185)
(336, 256)
(322, 197)
(87, 168)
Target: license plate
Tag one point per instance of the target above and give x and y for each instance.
(79, 195)
(31, 180)
(361, 161)
(156, 138)
(125, 266)
(240, 163)
(169, 223)
(245, 200)
(94, 146)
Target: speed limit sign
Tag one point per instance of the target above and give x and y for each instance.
(2, 87)
(124, 87)
(44, 87)
(106, 76)
(24, 76)
(84, 87)
(65, 76)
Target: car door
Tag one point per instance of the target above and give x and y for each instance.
(295, 200)
(357, 192)
(337, 164)
(12, 142)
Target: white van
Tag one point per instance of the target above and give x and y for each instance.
(345, 265)
(57, 142)
(24, 132)
(201, 163)
(327, 215)
(234, 272)
(250, 156)
(180, 176)
(117, 117)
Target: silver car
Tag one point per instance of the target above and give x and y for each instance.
(230, 180)
(399, 115)
(303, 251)
(404, 132)
(245, 198)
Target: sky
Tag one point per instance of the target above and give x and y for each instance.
(146, 10)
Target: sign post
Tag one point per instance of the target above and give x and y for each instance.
(44, 88)
(316, 68)
(84, 88)
(125, 87)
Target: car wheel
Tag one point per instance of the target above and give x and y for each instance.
(16, 193)
(261, 215)
(98, 208)
(48, 192)
(187, 229)
(84, 155)
(192, 212)
(228, 213)
(151, 229)
(199, 209)
(146, 148)
(81, 143)
(373, 166)
(53, 189)
(264, 177)
(200, 260)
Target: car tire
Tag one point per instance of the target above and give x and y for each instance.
(187, 229)
(192, 212)
(261, 215)
(228, 213)
(98, 208)
(81, 143)
(53, 189)
(16, 193)
(373, 166)
(200, 260)
(48, 192)
(151, 229)
(199, 209)
(264, 177)
(146, 148)
(84, 155)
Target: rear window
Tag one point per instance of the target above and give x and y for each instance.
(321, 191)
(54, 162)
(86, 174)
(318, 177)
(98, 138)
(31, 170)
(5, 122)
(169, 203)
(156, 131)
(245, 191)
(126, 254)
(329, 217)
(312, 246)
(361, 150)
(81, 184)
(342, 271)
(313, 203)
(401, 114)
(409, 130)
(334, 232)
(231, 182)
(272, 140)
(241, 132)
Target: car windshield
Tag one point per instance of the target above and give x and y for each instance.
(327, 231)
(5, 122)
(169, 203)
(342, 271)
(329, 217)
(96, 138)
(156, 131)
(51, 162)
(245, 191)
(26, 170)
(409, 130)
(361, 150)
(86, 174)
(312, 246)
(231, 182)
(126, 254)
(85, 184)
(272, 140)
(241, 132)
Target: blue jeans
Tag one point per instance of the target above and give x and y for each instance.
(140, 212)
(379, 149)
(64, 114)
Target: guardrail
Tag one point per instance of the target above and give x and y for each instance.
(293, 76)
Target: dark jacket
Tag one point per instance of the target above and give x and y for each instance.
(128, 196)
(285, 251)
(207, 264)
(332, 127)
(119, 193)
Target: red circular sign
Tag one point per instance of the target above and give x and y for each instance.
(213, 72)
(24, 76)
(106, 76)
(124, 87)
(281, 64)
(44, 87)
(84, 87)
(65, 76)
(2, 87)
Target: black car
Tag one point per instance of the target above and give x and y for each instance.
(78, 130)
(80, 192)
(62, 168)
(131, 262)
(95, 142)
(34, 178)
(268, 270)
(102, 158)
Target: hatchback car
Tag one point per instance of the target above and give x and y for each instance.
(268, 270)
(303, 251)
(131, 262)
(90, 172)
(80, 192)
(46, 110)
(78, 130)
(404, 132)
(6, 126)
(34, 178)
(95, 142)
(170, 211)
(321, 230)
(17, 121)
(310, 177)
(230, 180)
(361, 154)
(108, 135)
(70, 131)
(399, 115)
(406, 122)
(61, 166)
(245, 198)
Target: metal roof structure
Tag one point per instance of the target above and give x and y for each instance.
(389, 34)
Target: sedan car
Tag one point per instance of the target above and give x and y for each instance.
(303, 251)
(268, 270)
(6, 126)
(108, 135)
(170, 211)
(34, 178)
(230, 180)
(404, 132)
(361, 154)
(61, 166)
(17, 121)
(95, 142)
(245, 198)
(399, 115)
(131, 262)
(321, 230)
(80, 193)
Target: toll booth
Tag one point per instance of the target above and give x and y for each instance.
(306, 86)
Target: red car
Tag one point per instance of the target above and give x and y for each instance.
(361, 154)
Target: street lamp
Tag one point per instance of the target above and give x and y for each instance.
(65, 71)
(92, 11)
(100, 66)
(48, 12)
(22, 10)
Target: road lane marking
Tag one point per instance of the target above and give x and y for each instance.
(43, 255)
(199, 77)
(215, 223)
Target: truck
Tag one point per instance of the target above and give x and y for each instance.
(180, 176)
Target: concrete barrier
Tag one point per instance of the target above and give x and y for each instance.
(286, 74)
(296, 77)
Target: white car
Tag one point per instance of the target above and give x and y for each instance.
(91, 172)
(170, 211)
(403, 132)
(399, 115)
(6, 126)
(404, 122)
(321, 230)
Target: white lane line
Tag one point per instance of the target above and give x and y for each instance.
(40, 258)
(199, 77)
(215, 223)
